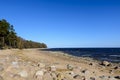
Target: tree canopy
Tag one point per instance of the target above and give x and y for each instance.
(9, 38)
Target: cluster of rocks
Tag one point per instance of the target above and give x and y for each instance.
(15, 68)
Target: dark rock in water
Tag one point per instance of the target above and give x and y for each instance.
(117, 77)
(92, 78)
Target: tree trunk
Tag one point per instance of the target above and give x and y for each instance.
(3, 42)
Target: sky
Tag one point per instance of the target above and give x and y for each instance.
(65, 23)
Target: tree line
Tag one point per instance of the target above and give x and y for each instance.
(9, 38)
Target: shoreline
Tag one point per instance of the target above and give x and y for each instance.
(35, 64)
(106, 57)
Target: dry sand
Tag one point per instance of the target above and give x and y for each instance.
(35, 64)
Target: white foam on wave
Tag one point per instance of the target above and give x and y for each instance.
(114, 55)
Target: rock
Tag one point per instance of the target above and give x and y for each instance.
(104, 77)
(91, 64)
(101, 77)
(47, 76)
(92, 78)
(23, 74)
(60, 76)
(79, 77)
(117, 77)
(1, 68)
(70, 67)
(116, 67)
(39, 73)
(84, 71)
(1, 78)
(41, 65)
(110, 71)
(105, 63)
(15, 64)
(71, 73)
(53, 68)
(53, 75)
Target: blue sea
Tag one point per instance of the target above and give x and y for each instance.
(108, 54)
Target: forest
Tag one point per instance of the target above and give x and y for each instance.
(9, 38)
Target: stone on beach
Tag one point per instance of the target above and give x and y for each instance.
(52, 68)
(105, 63)
(23, 74)
(1, 78)
(1, 68)
(70, 67)
(15, 64)
(39, 74)
(79, 77)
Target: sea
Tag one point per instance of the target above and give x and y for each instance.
(102, 54)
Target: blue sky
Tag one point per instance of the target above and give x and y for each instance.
(65, 23)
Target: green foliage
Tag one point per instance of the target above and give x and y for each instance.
(9, 39)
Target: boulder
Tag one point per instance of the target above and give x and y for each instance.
(105, 63)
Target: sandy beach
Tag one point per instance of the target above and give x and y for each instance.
(35, 64)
